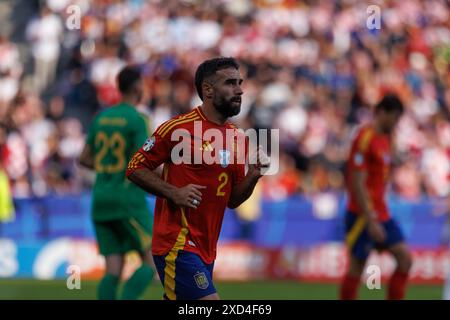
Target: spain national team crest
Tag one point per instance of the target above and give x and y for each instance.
(224, 158)
(149, 144)
(201, 280)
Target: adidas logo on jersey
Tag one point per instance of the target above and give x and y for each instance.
(206, 146)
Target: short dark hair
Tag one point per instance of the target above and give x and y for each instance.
(127, 78)
(209, 67)
(390, 104)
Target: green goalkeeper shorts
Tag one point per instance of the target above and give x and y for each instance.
(123, 235)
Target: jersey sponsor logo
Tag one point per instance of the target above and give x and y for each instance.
(201, 280)
(358, 159)
(224, 158)
(149, 144)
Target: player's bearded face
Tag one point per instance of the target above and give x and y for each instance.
(227, 106)
(228, 92)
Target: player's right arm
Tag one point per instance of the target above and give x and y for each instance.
(358, 187)
(147, 159)
(358, 183)
(152, 183)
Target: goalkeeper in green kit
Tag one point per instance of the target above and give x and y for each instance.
(120, 211)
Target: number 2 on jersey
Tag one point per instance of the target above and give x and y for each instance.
(115, 144)
(223, 177)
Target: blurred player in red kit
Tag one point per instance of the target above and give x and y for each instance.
(368, 222)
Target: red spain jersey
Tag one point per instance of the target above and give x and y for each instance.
(370, 152)
(194, 230)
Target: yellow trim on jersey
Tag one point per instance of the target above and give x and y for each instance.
(165, 125)
(135, 161)
(165, 131)
(165, 171)
(144, 238)
(200, 113)
(366, 137)
(355, 231)
(169, 270)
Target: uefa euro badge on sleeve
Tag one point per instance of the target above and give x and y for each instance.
(224, 158)
(149, 144)
(358, 159)
(201, 280)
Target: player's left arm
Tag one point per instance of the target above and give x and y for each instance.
(244, 189)
(86, 158)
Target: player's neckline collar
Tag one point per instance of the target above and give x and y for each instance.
(202, 115)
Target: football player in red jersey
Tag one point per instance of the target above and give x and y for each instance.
(368, 222)
(192, 197)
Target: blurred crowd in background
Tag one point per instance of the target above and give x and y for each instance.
(312, 69)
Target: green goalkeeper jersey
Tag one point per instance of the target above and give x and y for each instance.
(115, 135)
